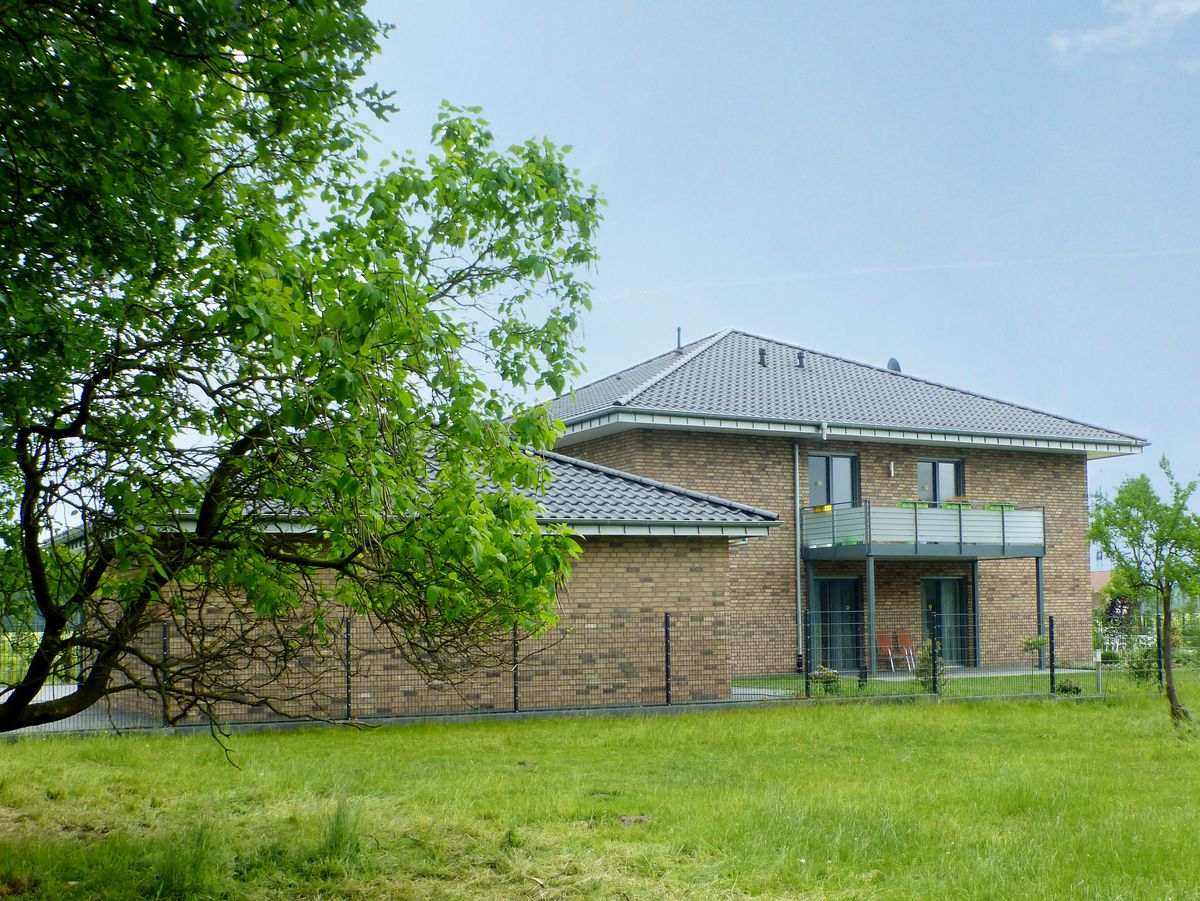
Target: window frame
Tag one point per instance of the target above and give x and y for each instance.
(855, 492)
(960, 478)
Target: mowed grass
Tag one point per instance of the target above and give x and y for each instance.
(1002, 799)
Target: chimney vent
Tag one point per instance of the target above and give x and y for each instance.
(678, 338)
(799, 359)
(762, 356)
(893, 364)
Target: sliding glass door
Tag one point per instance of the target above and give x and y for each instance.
(946, 599)
(836, 620)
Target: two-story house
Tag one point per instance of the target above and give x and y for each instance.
(750, 508)
(908, 509)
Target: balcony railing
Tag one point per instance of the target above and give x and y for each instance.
(918, 529)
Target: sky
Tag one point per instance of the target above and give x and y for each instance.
(1004, 197)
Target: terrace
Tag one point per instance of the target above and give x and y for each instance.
(927, 531)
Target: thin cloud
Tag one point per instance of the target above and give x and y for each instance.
(914, 268)
(1139, 23)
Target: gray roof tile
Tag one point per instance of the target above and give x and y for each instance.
(581, 492)
(721, 376)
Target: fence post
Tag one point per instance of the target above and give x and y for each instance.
(166, 652)
(1052, 673)
(934, 647)
(516, 667)
(349, 710)
(1158, 645)
(667, 655)
(810, 588)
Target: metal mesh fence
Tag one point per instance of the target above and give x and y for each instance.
(646, 657)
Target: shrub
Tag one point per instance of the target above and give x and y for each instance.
(826, 680)
(1143, 664)
(1110, 657)
(925, 668)
(1068, 687)
(1035, 645)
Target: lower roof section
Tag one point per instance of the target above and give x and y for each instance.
(596, 500)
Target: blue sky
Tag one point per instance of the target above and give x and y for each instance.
(1005, 197)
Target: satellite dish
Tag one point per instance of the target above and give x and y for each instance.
(894, 364)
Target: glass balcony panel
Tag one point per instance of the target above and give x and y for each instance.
(981, 527)
(987, 530)
(892, 525)
(1024, 527)
(935, 525)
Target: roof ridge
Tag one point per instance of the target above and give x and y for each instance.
(957, 390)
(704, 345)
(662, 486)
(611, 375)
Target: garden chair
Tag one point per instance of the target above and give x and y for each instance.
(886, 648)
(904, 641)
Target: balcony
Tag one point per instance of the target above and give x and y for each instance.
(918, 530)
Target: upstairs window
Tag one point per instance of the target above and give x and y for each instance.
(832, 479)
(939, 480)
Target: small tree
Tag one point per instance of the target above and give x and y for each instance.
(1155, 546)
(931, 667)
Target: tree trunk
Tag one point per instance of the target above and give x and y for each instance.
(1179, 713)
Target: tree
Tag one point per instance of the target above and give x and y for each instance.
(1154, 545)
(208, 390)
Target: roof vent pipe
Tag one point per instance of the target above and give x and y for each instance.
(893, 364)
(762, 356)
(678, 338)
(799, 359)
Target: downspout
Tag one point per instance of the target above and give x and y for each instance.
(797, 531)
(824, 431)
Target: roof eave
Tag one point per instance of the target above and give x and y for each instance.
(651, 528)
(612, 419)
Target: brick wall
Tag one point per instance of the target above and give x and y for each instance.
(758, 471)
(607, 649)
(747, 469)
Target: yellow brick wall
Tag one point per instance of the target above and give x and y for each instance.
(608, 647)
(758, 471)
(749, 470)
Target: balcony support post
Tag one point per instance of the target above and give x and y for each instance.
(1041, 608)
(871, 645)
(975, 607)
(810, 598)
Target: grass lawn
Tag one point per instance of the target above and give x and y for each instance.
(1003, 799)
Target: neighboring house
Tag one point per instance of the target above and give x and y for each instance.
(919, 506)
(1100, 579)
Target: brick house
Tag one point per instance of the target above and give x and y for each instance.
(904, 510)
(908, 509)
